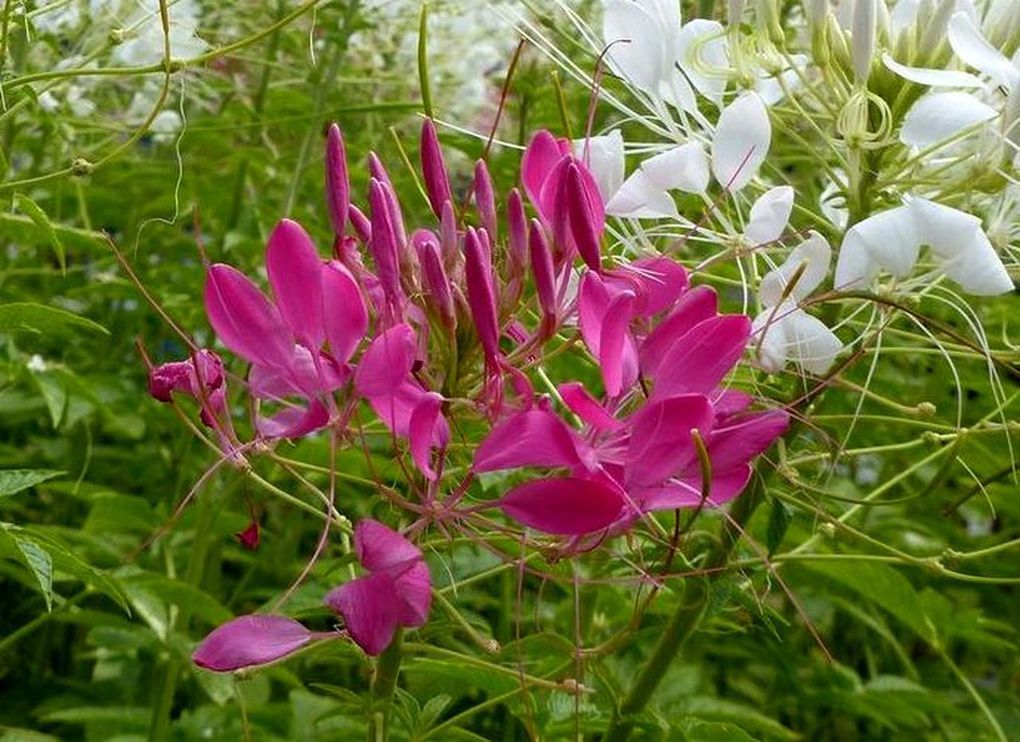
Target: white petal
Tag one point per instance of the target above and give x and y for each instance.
(702, 54)
(971, 46)
(814, 254)
(769, 215)
(929, 76)
(810, 344)
(772, 89)
(604, 157)
(903, 16)
(639, 197)
(741, 141)
(960, 243)
(855, 268)
(938, 116)
(890, 238)
(772, 346)
(684, 167)
(637, 49)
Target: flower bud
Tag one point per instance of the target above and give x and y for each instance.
(338, 188)
(767, 13)
(485, 199)
(481, 294)
(436, 284)
(361, 223)
(585, 227)
(864, 30)
(517, 223)
(437, 182)
(383, 243)
(448, 235)
(542, 271)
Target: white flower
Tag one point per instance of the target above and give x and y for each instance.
(788, 333)
(36, 364)
(892, 240)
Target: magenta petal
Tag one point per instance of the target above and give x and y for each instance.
(386, 362)
(699, 359)
(741, 440)
(295, 274)
(345, 317)
(423, 422)
(370, 607)
(541, 156)
(303, 378)
(380, 548)
(295, 422)
(725, 485)
(243, 318)
(586, 407)
(535, 437)
(203, 369)
(668, 496)
(592, 306)
(567, 506)
(660, 437)
(437, 182)
(250, 641)
(617, 354)
(338, 188)
(729, 402)
(415, 589)
(662, 282)
(697, 305)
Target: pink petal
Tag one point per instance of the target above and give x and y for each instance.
(302, 378)
(243, 318)
(371, 610)
(294, 422)
(415, 589)
(740, 441)
(422, 423)
(481, 295)
(699, 359)
(204, 369)
(695, 306)
(617, 354)
(660, 437)
(659, 284)
(396, 407)
(725, 485)
(380, 548)
(567, 506)
(586, 407)
(592, 305)
(345, 316)
(541, 156)
(295, 274)
(338, 188)
(729, 402)
(535, 437)
(437, 182)
(555, 204)
(386, 362)
(250, 641)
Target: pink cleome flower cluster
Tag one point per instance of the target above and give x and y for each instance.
(452, 320)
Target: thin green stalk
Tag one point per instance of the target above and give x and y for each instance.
(384, 683)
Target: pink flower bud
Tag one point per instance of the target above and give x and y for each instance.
(485, 199)
(448, 235)
(436, 284)
(481, 295)
(542, 271)
(361, 223)
(517, 222)
(338, 188)
(383, 244)
(585, 214)
(437, 182)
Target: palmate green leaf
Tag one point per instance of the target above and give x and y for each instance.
(13, 481)
(43, 319)
(33, 211)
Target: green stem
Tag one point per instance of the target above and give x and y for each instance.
(684, 622)
(384, 683)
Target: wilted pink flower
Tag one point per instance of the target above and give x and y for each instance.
(395, 592)
(200, 376)
(250, 641)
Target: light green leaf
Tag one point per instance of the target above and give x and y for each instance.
(36, 558)
(44, 319)
(13, 481)
(33, 211)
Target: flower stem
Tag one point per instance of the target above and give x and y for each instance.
(684, 622)
(384, 683)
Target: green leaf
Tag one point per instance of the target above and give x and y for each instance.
(44, 319)
(33, 211)
(779, 520)
(40, 564)
(13, 481)
(65, 560)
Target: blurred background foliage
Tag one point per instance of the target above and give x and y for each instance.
(103, 604)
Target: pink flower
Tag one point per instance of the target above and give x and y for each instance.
(200, 377)
(250, 641)
(395, 592)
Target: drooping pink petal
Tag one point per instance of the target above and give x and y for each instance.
(295, 275)
(592, 306)
(294, 422)
(535, 437)
(338, 188)
(586, 214)
(485, 198)
(699, 359)
(345, 317)
(541, 156)
(741, 440)
(481, 295)
(725, 485)
(437, 182)
(696, 305)
(250, 641)
(370, 607)
(396, 407)
(617, 353)
(422, 424)
(660, 437)
(554, 205)
(415, 589)
(660, 283)
(243, 318)
(380, 548)
(566, 506)
(386, 362)
(586, 407)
